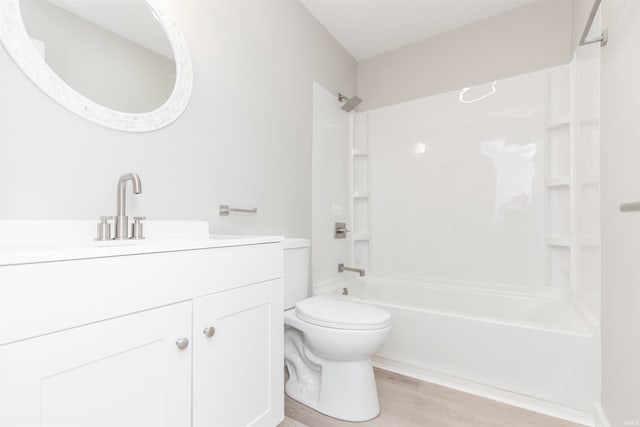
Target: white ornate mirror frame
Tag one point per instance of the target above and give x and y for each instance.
(18, 45)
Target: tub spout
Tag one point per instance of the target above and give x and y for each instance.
(342, 269)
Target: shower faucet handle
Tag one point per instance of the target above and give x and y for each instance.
(341, 230)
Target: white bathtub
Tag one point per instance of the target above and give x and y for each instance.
(538, 347)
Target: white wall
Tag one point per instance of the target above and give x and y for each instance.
(330, 184)
(244, 140)
(457, 188)
(620, 162)
(525, 39)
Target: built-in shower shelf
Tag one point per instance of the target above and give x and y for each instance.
(360, 190)
(571, 160)
(558, 240)
(360, 236)
(558, 122)
(560, 181)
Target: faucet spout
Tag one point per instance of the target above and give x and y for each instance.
(135, 181)
(122, 188)
(121, 217)
(342, 268)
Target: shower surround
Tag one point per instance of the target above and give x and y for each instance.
(494, 186)
(476, 215)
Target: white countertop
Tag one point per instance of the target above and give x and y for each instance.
(26, 242)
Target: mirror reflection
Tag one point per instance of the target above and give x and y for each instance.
(115, 53)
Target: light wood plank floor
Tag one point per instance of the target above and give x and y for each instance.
(407, 402)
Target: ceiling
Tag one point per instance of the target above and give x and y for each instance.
(367, 28)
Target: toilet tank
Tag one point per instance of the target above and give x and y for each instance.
(296, 271)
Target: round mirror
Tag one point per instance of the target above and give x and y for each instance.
(122, 64)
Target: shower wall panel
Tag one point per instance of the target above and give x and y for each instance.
(457, 184)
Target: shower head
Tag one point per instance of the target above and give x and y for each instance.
(350, 103)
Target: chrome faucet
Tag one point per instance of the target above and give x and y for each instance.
(122, 220)
(342, 268)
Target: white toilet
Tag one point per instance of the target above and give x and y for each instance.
(328, 344)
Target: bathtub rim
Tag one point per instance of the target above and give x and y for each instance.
(587, 330)
(455, 285)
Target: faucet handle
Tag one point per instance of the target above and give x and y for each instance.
(341, 230)
(136, 227)
(104, 228)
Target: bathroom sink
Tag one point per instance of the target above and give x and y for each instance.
(23, 242)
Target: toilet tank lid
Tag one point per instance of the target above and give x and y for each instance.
(295, 243)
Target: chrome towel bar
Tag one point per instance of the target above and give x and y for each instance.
(630, 207)
(225, 210)
(604, 37)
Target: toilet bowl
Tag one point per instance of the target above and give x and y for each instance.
(329, 359)
(328, 344)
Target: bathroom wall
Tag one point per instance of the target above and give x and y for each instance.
(529, 38)
(244, 140)
(330, 184)
(620, 162)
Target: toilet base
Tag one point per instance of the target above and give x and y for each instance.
(346, 389)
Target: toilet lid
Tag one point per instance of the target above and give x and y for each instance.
(340, 314)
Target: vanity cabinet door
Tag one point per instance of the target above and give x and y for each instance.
(238, 367)
(126, 371)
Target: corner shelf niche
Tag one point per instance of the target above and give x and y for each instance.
(360, 190)
(559, 135)
(572, 180)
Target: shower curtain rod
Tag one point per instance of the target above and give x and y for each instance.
(604, 37)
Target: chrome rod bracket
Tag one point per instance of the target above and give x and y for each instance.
(604, 37)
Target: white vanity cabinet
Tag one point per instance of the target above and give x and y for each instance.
(128, 340)
(122, 372)
(236, 380)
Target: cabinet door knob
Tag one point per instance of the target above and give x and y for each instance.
(182, 343)
(209, 332)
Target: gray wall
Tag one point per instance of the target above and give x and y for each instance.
(244, 140)
(525, 39)
(620, 163)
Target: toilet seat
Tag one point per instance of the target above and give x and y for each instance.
(340, 314)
